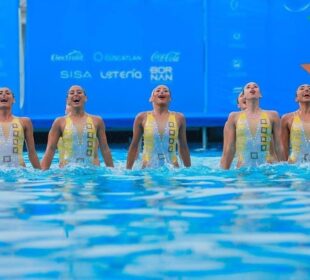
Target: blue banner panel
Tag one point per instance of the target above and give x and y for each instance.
(288, 53)
(262, 41)
(118, 51)
(9, 48)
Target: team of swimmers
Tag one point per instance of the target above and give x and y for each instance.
(252, 136)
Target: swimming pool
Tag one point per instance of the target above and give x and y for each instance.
(91, 223)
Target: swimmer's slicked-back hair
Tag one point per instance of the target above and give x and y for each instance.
(153, 91)
(82, 89)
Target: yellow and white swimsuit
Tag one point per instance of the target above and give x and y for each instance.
(299, 143)
(253, 150)
(11, 146)
(78, 148)
(60, 148)
(160, 149)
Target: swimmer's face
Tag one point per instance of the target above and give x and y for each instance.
(76, 96)
(303, 93)
(241, 101)
(161, 94)
(6, 97)
(251, 91)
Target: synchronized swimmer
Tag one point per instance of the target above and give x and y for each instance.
(252, 135)
(80, 132)
(162, 131)
(14, 132)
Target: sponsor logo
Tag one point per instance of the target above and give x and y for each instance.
(236, 40)
(71, 56)
(161, 73)
(100, 57)
(237, 63)
(234, 5)
(237, 90)
(121, 74)
(171, 56)
(296, 6)
(75, 74)
(236, 36)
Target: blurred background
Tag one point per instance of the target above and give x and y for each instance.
(119, 50)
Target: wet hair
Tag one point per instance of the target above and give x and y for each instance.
(161, 85)
(82, 89)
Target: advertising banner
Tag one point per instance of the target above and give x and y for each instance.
(118, 51)
(260, 41)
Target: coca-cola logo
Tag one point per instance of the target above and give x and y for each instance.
(171, 56)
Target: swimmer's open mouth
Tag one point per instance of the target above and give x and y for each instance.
(252, 91)
(3, 101)
(76, 100)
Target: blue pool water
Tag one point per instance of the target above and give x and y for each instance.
(201, 222)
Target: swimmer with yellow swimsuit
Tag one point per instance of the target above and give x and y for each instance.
(241, 104)
(295, 128)
(163, 133)
(60, 144)
(14, 132)
(79, 132)
(249, 133)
